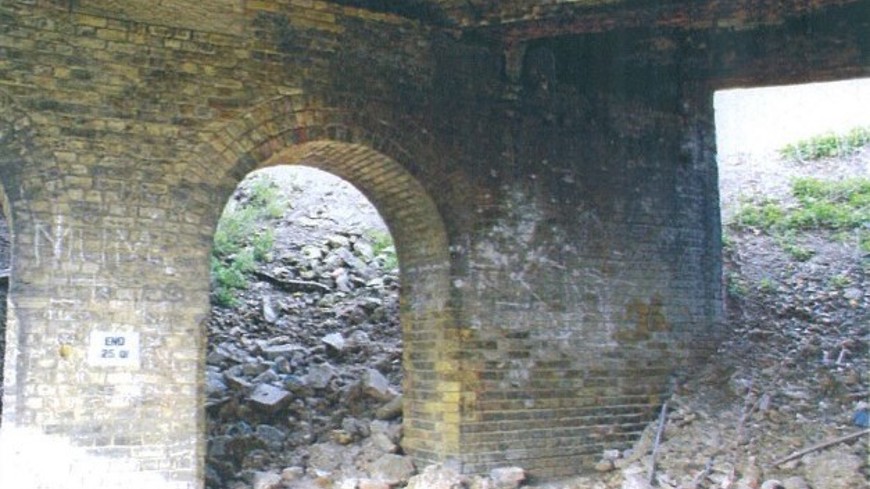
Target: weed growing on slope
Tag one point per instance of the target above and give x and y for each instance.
(841, 206)
(384, 248)
(827, 145)
(243, 238)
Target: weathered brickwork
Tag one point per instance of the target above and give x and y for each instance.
(552, 195)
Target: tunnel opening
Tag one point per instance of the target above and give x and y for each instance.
(794, 178)
(790, 159)
(305, 346)
(775, 145)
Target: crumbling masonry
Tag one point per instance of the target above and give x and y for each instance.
(546, 168)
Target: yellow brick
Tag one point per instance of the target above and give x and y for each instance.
(90, 20)
(111, 35)
(263, 5)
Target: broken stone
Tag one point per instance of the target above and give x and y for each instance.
(611, 454)
(325, 457)
(341, 437)
(335, 341)
(795, 482)
(214, 384)
(364, 250)
(270, 315)
(291, 474)
(390, 410)
(772, 484)
(338, 241)
(834, 469)
(267, 480)
(507, 477)
(438, 476)
(383, 443)
(319, 376)
(377, 386)
(269, 397)
(266, 377)
(272, 437)
(372, 484)
(635, 477)
(272, 352)
(392, 469)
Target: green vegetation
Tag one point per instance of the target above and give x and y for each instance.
(735, 285)
(842, 206)
(767, 285)
(383, 247)
(827, 145)
(840, 281)
(796, 251)
(242, 238)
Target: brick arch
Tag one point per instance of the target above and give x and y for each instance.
(289, 131)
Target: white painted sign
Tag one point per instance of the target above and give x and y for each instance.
(114, 349)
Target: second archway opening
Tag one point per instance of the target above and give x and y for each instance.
(305, 353)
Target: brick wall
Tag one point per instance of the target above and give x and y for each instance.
(554, 210)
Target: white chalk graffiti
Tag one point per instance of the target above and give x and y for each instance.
(60, 243)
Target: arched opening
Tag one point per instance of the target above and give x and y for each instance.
(304, 338)
(331, 358)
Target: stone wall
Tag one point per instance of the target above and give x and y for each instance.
(553, 204)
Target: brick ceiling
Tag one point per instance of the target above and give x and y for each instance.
(530, 19)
